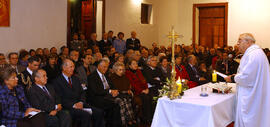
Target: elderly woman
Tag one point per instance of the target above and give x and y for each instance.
(15, 107)
(165, 67)
(124, 99)
(140, 88)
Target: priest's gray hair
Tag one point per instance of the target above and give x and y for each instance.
(248, 36)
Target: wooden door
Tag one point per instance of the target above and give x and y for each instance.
(212, 23)
(81, 18)
(88, 22)
(212, 26)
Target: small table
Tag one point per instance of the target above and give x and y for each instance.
(192, 110)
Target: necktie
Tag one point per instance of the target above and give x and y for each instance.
(106, 86)
(195, 70)
(46, 91)
(69, 82)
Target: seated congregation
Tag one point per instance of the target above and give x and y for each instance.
(106, 83)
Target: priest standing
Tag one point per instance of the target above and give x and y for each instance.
(253, 85)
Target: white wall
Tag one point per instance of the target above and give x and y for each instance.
(249, 16)
(34, 24)
(125, 16)
(243, 16)
(42, 23)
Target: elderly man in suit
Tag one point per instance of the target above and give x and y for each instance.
(193, 72)
(101, 94)
(153, 76)
(133, 42)
(73, 98)
(42, 96)
(13, 58)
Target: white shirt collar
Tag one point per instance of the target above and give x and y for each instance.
(66, 77)
(40, 86)
(99, 73)
(31, 72)
(152, 68)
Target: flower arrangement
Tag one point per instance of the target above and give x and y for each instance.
(166, 89)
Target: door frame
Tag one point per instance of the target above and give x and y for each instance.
(68, 35)
(196, 6)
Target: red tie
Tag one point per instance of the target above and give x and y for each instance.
(69, 82)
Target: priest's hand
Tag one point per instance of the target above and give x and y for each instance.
(228, 78)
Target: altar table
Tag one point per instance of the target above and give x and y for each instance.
(192, 110)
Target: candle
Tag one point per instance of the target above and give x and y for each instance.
(214, 76)
(179, 85)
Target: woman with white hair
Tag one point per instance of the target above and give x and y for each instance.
(124, 99)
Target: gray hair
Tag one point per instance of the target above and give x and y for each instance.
(36, 73)
(248, 36)
(117, 65)
(105, 60)
(65, 62)
(7, 73)
(189, 58)
(150, 57)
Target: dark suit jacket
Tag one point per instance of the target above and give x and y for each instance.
(192, 74)
(142, 62)
(39, 99)
(150, 76)
(104, 46)
(96, 90)
(133, 44)
(25, 79)
(69, 96)
(92, 43)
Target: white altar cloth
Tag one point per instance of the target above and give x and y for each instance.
(192, 110)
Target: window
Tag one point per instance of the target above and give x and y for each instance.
(146, 13)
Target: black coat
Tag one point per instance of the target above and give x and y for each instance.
(96, 94)
(39, 99)
(25, 79)
(104, 46)
(133, 44)
(151, 75)
(69, 95)
(194, 76)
